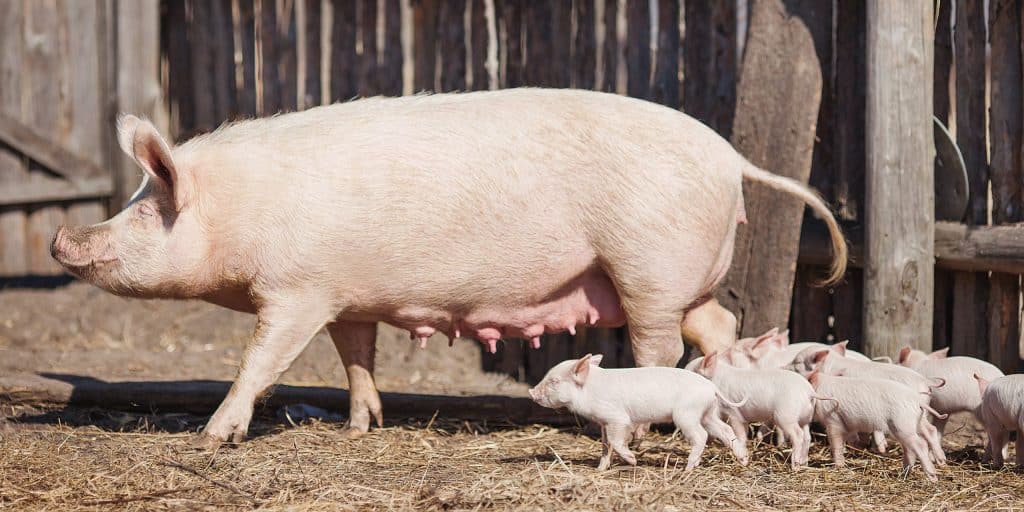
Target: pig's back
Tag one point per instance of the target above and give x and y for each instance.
(960, 392)
(1005, 398)
(869, 404)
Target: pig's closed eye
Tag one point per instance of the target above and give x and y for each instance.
(145, 210)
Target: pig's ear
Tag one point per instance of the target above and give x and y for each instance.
(904, 354)
(813, 377)
(595, 360)
(982, 383)
(782, 339)
(710, 362)
(581, 370)
(841, 347)
(939, 354)
(820, 356)
(140, 140)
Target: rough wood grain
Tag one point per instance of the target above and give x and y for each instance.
(202, 397)
(244, 20)
(850, 89)
(137, 84)
(45, 150)
(710, 62)
(970, 290)
(44, 96)
(391, 74)
(900, 186)
(308, 63)
(638, 49)
(942, 321)
(666, 65)
(1006, 122)
(774, 129)
(609, 47)
(424, 13)
(13, 167)
(451, 43)
(584, 54)
(344, 61)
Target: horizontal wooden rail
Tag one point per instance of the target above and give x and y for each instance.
(957, 246)
(50, 190)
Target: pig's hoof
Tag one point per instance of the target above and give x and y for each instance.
(350, 432)
(205, 442)
(932, 478)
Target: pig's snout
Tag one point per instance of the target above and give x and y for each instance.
(77, 247)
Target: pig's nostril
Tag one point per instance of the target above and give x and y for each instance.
(58, 241)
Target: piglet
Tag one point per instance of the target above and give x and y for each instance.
(869, 405)
(831, 362)
(619, 399)
(773, 395)
(960, 394)
(1002, 412)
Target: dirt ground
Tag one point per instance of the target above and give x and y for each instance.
(83, 459)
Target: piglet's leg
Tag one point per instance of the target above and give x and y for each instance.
(998, 439)
(709, 327)
(837, 441)
(357, 344)
(283, 329)
(606, 450)
(617, 437)
(1020, 447)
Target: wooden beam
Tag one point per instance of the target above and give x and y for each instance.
(774, 128)
(40, 190)
(957, 247)
(203, 397)
(900, 181)
(44, 150)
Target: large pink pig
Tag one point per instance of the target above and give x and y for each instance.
(493, 215)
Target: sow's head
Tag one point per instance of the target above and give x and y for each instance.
(155, 246)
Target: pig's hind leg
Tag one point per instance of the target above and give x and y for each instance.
(689, 426)
(283, 329)
(357, 343)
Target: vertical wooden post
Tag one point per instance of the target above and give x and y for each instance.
(1005, 126)
(900, 213)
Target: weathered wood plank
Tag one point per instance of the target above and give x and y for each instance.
(812, 306)
(900, 182)
(584, 56)
(848, 309)
(137, 83)
(174, 40)
(942, 321)
(222, 60)
(606, 74)
(970, 291)
(391, 74)
(511, 21)
(344, 61)
(13, 167)
(268, 91)
(638, 49)
(1006, 122)
(307, 15)
(366, 21)
(666, 66)
(424, 13)
(44, 101)
(451, 45)
(710, 63)
(287, 80)
(850, 90)
(40, 189)
(773, 110)
(45, 150)
(200, 35)
(243, 17)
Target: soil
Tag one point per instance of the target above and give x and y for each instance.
(95, 459)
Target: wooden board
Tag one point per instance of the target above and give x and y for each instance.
(665, 86)
(1006, 122)
(900, 190)
(13, 168)
(710, 63)
(970, 290)
(451, 45)
(638, 49)
(942, 321)
(773, 111)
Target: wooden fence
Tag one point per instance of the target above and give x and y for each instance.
(228, 59)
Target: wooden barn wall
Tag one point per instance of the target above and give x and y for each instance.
(54, 118)
(230, 59)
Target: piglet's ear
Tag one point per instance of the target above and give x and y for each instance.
(782, 339)
(813, 378)
(841, 347)
(595, 360)
(819, 357)
(982, 383)
(939, 354)
(581, 370)
(904, 354)
(709, 362)
(140, 140)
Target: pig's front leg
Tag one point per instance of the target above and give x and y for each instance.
(283, 329)
(606, 450)
(357, 344)
(837, 442)
(617, 437)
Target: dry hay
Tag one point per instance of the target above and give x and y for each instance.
(143, 462)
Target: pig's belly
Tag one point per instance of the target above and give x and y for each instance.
(589, 299)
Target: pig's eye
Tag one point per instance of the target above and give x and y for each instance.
(145, 210)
